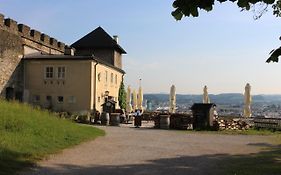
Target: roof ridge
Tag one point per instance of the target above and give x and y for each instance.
(98, 38)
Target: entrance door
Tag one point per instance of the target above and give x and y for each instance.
(19, 96)
(9, 93)
(49, 102)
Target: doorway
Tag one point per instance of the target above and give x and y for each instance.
(10, 93)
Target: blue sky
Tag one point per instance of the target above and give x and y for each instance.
(223, 49)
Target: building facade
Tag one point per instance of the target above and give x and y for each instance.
(41, 71)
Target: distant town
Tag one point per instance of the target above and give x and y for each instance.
(228, 104)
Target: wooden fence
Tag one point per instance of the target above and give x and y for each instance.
(268, 123)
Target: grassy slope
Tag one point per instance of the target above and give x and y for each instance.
(27, 135)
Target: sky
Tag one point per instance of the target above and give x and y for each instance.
(223, 49)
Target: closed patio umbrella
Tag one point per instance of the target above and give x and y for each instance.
(129, 100)
(134, 105)
(140, 98)
(247, 101)
(172, 108)
(205, 95)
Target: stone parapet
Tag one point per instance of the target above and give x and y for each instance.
(61, 45)
(11, 24)
(45, 38)
(36, 35)
(33, 35)
(1, 20)
(24, 29)
(53, 42)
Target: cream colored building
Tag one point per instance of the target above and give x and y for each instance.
(77, 82)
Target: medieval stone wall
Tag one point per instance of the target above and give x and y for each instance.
(16, 41)
(11, 52)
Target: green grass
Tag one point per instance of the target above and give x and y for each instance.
(28, 135)
(251, 132)
(266, 162)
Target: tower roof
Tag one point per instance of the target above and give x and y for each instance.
(98, 39)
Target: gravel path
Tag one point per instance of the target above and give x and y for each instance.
(142, 151)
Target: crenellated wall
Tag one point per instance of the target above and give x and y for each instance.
(32, 38)
(16, 41)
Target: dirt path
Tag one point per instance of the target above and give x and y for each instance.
(149, 151)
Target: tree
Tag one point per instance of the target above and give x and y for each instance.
(122, 96)
(190, 8)
(274, 57)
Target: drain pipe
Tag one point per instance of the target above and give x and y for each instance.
(95, 86)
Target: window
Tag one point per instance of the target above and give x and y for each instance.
(115, 79)
(111, 78)
(99, 76)
(36, 98)
(60, 99)
(106, 76)
(61, 72)
(71, 99)
(49, 98)
(49, 72)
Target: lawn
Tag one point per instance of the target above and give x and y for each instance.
(266, 162)
(28, 135)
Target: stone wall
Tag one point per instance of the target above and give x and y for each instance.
(16, 41)
(11, 52)
(32, 38)
(117, 59)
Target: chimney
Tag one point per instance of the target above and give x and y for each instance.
(115, 37)
(69, 51)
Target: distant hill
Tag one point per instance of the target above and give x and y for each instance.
(225, 98)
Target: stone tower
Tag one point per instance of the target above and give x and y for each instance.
(102, 45)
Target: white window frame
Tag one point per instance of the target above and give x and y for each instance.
(45, 71)
(111, 78)
(106, 76)
(99, 76)
(51, 98)
(72, 99)
(63, 73)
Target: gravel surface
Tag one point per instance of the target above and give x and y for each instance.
(143, 151)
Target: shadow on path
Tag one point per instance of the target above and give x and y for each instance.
(267, 162)
(11, 161)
